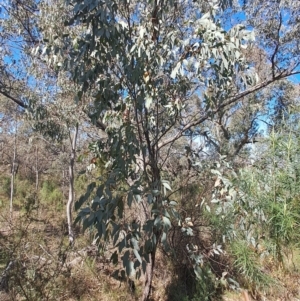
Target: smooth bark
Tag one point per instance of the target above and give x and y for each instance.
(71, 185)
(13, 173)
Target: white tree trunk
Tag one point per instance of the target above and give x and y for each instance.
(71, 184)
(12, 182)
(13, 172)
(36, 169)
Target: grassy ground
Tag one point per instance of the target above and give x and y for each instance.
(47, 269)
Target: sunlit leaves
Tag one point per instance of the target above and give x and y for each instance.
(151, 80)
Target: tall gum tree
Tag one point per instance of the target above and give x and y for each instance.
(159, 71)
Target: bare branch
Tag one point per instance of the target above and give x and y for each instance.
(276, 47)
(17, 101)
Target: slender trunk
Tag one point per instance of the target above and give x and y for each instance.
(36, 169)
(37, 179)
(63, 181)
(12, 182)
(5, 276)
(71, 185)
(151, 264)
(13, 172)
(145, 215)
(149, 276)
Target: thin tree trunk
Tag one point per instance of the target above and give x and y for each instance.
(5, 276)
(71, 184)
(149, 270)
(37, 180)
(36, 169)
(12, 183)
(145, 215)
(149, 276)
(13, 172)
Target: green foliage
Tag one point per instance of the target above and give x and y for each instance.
(249, 265)
(171, 86)
(274, 191)
(159, 75)
(190, 288)
(205, 286)
(80, 183)
(22, 188)
(50, 193)
(5, 186)
(261, 200)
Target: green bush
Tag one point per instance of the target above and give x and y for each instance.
(5, 186)
(187, 287)
(23, 188)
(247, 264)
(50, 193)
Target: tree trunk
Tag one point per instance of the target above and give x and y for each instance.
(146, 214)
(13, 172)
(71, 185)
(149, 276)
(5, 277)
(12, 182)
(36, 169)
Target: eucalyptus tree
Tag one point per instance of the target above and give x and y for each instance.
(159, 72)
(276, 25)
(9, 141)
(274, 55)
(27, 81)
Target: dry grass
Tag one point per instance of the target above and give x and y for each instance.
(48, 268)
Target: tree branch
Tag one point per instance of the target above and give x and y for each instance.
(276, 47)
(17, 101)
(231, 100)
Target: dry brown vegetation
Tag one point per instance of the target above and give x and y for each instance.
(46, 268)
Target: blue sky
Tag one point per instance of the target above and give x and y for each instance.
(16, 54)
